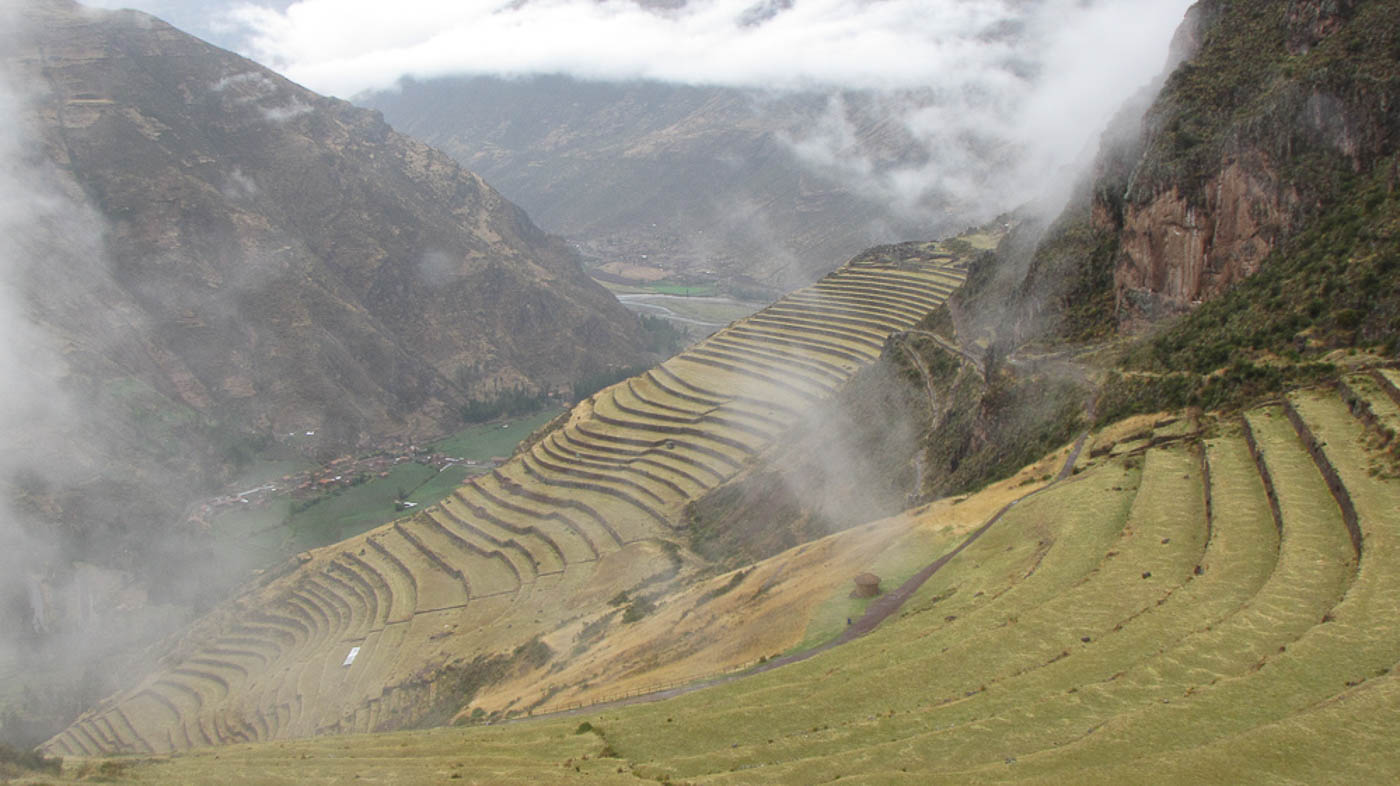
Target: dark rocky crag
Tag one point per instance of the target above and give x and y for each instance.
(1241, 223)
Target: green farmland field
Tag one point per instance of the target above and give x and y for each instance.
(264, 535)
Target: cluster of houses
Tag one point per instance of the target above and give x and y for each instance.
(342, 472)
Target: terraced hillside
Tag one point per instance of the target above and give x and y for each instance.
(361, 635)
(1208, 602)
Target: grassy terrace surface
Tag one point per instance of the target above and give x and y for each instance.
(524, 552)
(1191, 611)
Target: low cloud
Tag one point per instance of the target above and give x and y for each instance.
(974, 104)
(991, 47)
(989, 100)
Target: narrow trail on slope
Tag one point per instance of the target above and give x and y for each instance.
(876, 613)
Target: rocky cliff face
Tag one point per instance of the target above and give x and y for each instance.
(1252, 134)
(1175, 255)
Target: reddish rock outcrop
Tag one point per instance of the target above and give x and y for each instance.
(1218, 179)
(1175, 254)
(1310, 21)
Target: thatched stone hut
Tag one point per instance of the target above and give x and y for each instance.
(867, 586)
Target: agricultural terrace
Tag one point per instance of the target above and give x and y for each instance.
(355, 637)
(1201, 602)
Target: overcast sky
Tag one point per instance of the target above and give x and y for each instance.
(345, 46)
(1010, 92)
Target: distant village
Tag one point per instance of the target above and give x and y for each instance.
(340, 473)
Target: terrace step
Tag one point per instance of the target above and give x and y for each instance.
(569, 536)
(507, 564)
(924, 299)
(763, 414)
(851, 351)
(1391, 378)
(678, 378)
(543, 552)
(784, 371)
(833, 297)
(749, 368)
(922, 280)
(872, 338)
(643, 400)
(294, 603)
(1240, 702)
(139, 743)
(801, 360)
(699, 469)
(401, 582)
(1009, 572)
(551, 477)
(284, 626)
(1375, 401)
(628, 487)
(601, 532)
(342, 619)
(630, 414)
(246, 648)
(379, 654)
(378, 594)
(441, 584)
(625, 522)
(359, 596)
(673, 484)
(831, 315)
(722, 459)
(919, 288)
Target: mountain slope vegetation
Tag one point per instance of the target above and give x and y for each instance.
(1209, 600)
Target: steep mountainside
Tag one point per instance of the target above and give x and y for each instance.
(1239, 228)
(219, 260)
(684, 178)
(290, 251)
(1279, 117)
